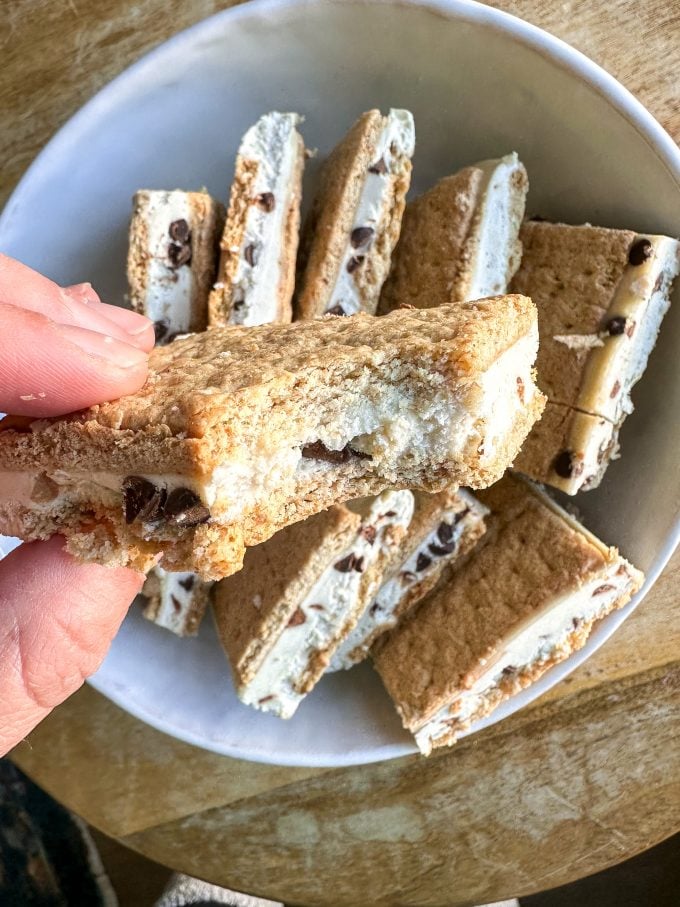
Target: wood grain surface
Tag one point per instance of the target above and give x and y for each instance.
(585, 777)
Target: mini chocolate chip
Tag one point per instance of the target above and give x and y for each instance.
(351, 562)
(179, 254)
(375, 607)
(407, 576)
(298, 617)
(640, 251)
(266, 201)
(360, 236)
(265, 699)
(563, 464)
(442, 550)
(160, 329)
(391, 513)
(142, 499)
(423, 562)
(317, 607)
(461, 513)
(380, 167)
(187, 583)
(393, 148)
(337, 309)
(355, 262)
(615, 389)
(360, 454)
(184, 508)
(576, 622)
(249, 254)
(179, 231)
(177, 605)
(616, 326)
(509, 670)
(317, 450)
(520, 389)
(606, 587)
(369, 533)
(445, 532)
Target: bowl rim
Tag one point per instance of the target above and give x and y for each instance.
(533, 38)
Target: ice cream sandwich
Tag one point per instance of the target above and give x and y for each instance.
(298, 596)
(172, 256)
(601, 296)
(459, 241)
(355, 219)
(240, 431)
(524, 601)
(445, 527)
(258, 248)
(175, 601)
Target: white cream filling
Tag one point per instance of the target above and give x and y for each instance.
(273, 143)
(327, 608)
(373, 204)
(613, 369)
(381, 616)
(531, 644)
(497, 229)
(175, 603)
(169, 291)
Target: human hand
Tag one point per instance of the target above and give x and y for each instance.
(62, 349)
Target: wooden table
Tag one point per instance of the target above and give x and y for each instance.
(586, 777)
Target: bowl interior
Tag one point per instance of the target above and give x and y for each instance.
(479, 85)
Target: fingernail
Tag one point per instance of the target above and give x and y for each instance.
(132, 322)
(83, 292)
(103, 346)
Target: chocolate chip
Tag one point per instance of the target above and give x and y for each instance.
(361, 455)
(445, 532)
(407, 576)
(265, 699)
(564, 464)
(509, 670)
(349, 563)
(187, 583)
(177, 605)
(423, 562)
(318, 451)
(616, 326)
(298, 617)
(461, 513)
(266, 201)
(442, 550)
(576, 622)
(249, 254)
(360, 236)
(179, 231)
(238, 299)
(184, 508)
(380, 167)
(393, 148)
(369, 533)
(615, 389)
(160, 329)
(375, 607)
(606, 587)
(640, 251)
(355, 262)
(520, 390)
(179, 254)
(317, 607)
(336, 310)
(142, 500)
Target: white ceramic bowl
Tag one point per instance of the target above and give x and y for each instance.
(480, 83)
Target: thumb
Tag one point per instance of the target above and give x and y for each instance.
(57, 620)
(50, 369)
